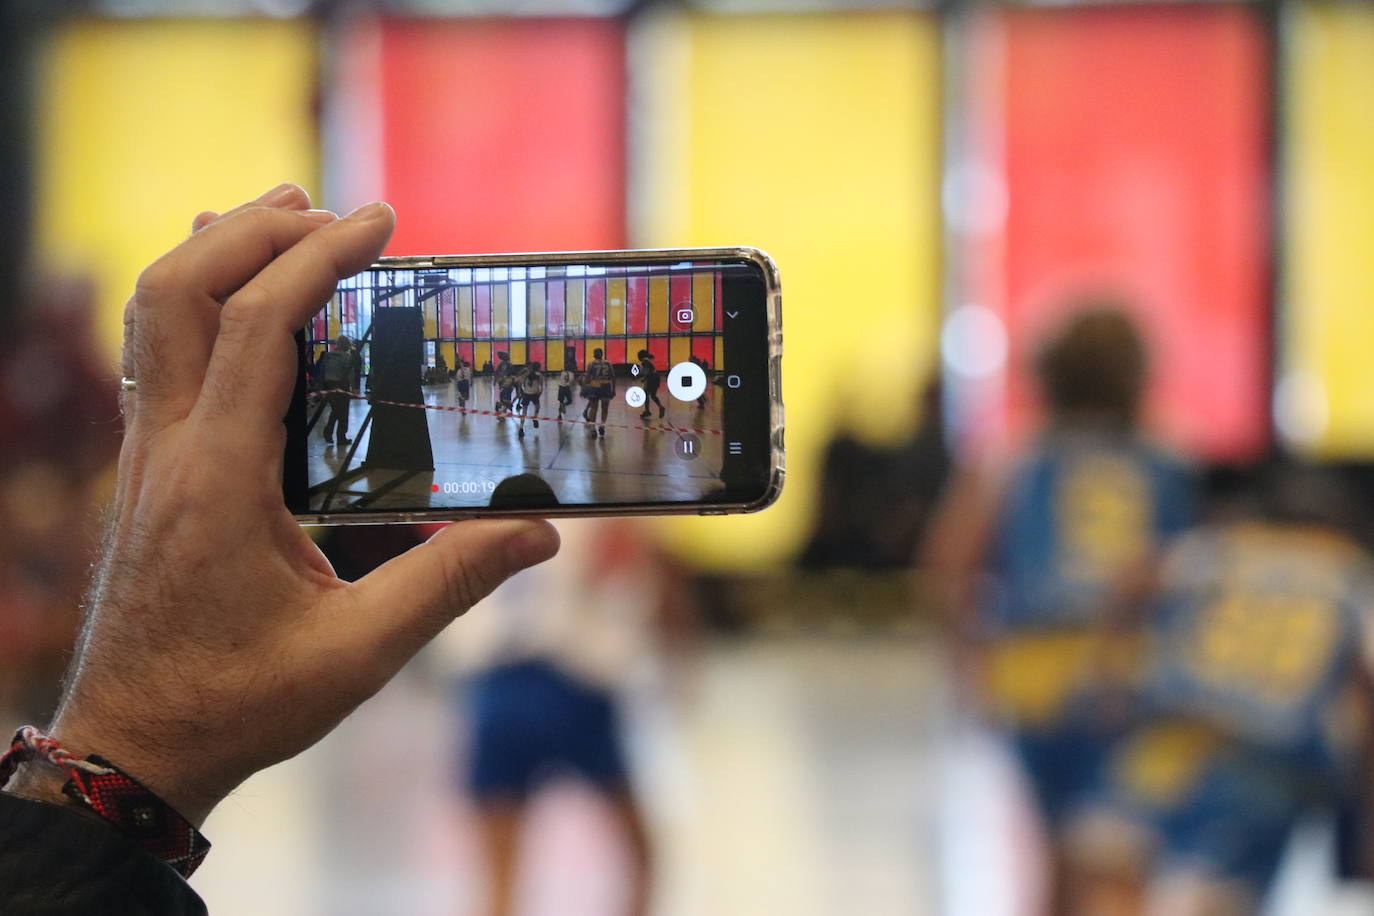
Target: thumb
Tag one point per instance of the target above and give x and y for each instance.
(404, 604)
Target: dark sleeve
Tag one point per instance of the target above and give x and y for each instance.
(56, 861)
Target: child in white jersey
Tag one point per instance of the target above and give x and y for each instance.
(530, 384)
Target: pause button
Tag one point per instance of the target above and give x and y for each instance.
(688, 446)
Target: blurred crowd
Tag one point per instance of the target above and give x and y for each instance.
(59, 434)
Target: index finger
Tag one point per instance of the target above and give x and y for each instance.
(285, 196)
(175, 311)
(253, 367)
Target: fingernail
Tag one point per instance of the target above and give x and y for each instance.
(374, 210)
(320, 216)
(279, 195)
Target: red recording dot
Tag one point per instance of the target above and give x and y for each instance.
(434, 489)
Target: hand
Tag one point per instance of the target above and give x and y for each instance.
(217, 638)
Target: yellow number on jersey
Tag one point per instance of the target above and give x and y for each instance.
(1105, 518)
(1274, 647)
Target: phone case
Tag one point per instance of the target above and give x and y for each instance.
(777, 451)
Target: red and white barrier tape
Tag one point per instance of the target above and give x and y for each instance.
(473, 411)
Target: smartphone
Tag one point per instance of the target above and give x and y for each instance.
(559, 384)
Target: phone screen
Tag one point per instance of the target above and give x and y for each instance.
(467, 385)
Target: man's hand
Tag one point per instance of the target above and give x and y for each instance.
(217, 639)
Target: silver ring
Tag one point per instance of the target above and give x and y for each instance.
(128, 384)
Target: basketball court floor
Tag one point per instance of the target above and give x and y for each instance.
(675, 458)
(787, 776)
(807, 775)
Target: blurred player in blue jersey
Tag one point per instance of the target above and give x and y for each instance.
(1028, 560)
(1256, 710)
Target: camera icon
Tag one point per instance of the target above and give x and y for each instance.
(684, 315)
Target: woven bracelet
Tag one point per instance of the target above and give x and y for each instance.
(116, 797)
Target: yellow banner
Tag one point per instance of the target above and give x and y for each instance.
(816, 138)
(1325, 404)
(143, 124)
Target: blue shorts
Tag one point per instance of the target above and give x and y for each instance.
(1228, 814)
(531, 722)
(1063, 765)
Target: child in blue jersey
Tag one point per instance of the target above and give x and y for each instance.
(1030, 560)
(1256, 702)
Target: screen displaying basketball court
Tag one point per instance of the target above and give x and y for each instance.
(447, 388)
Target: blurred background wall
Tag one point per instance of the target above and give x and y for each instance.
(943, 178)
(936, 182)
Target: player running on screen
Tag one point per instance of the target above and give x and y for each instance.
(530, 384)
(462, 381)
(503, 382)
(1257, 701)
(649, 376)
(598, 387)
(565, 393)
(1029, 560)
(706, 371)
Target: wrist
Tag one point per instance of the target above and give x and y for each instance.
(171, 778)
(98, 789)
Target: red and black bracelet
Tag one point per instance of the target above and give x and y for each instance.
(116, 797)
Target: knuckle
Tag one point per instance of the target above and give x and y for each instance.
(258, 216)
(246, 307)
(267, 220)
(160, 278)
(465, 583)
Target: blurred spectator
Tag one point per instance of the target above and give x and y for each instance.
(1257, 709)
(59, 431)
(546, 665)
(1026, 561)
(875, 502)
